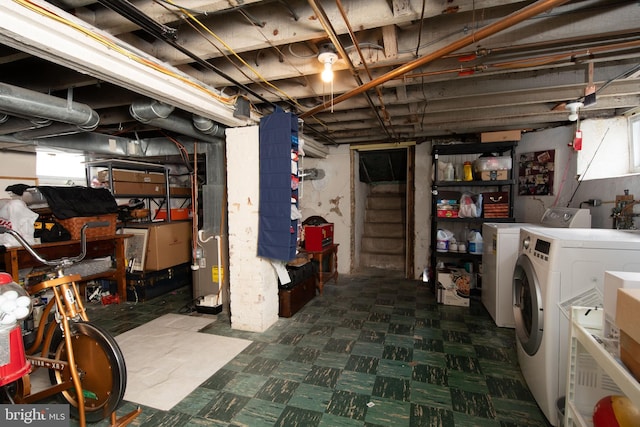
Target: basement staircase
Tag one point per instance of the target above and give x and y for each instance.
(383, 239)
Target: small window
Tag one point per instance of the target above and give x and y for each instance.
(60, 169)
(605, 150)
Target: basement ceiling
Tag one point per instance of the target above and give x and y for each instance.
(406, 69)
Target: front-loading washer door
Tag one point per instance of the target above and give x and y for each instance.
(527, 305)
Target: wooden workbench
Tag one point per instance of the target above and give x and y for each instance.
(16, 258)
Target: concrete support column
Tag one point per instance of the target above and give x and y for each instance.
(253, 282)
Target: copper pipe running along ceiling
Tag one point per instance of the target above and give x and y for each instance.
(491, 29)
(569, 57)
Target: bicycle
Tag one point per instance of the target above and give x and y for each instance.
(78, 354)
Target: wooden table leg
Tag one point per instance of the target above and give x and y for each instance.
(120, 270)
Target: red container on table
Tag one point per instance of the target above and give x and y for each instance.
(318, 237)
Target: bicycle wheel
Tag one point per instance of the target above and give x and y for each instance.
(101, 366)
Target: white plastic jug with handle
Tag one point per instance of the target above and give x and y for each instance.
(475, 242)
(442, 241)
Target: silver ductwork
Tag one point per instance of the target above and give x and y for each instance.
(208, 126)
(56, 129)
(28, 103)
(15, 124)
(158, 114)
(147, 111)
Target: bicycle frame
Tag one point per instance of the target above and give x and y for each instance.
(69, 308)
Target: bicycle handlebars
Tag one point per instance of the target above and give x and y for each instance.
(61, 262)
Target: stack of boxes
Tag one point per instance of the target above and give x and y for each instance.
(133, 182)
(622, 316)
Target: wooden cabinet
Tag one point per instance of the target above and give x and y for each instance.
(444, 189)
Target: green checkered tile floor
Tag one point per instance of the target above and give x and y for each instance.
(372, 351)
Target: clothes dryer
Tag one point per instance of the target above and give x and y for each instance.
(501, 243)
(553, 266)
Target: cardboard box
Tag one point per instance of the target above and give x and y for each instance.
(168, 244)
(138, 188)
(454, 286)
(628, 320)
(499, 175)
(614, 280)
(131, 176)
(630, 354)
(447, 213)
(505, 135)
(180, 191)
(628, 312)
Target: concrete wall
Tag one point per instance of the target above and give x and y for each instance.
(330, 198)
(531, 208)
(568, 191)
(321, 197)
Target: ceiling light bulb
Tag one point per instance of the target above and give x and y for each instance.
(327, 73)
(574, 107)
(327, 58)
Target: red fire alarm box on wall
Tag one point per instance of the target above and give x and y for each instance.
(317, 237)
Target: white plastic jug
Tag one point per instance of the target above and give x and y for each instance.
(475, 242)
(442, 241)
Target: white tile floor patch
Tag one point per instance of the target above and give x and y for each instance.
(167, 358)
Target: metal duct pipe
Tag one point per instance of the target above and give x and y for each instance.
(146, 111)
(56, 129)
(157, 114)
(208, 126)
(25, 102)
(15, 124)
(482, 33)
(3, 118)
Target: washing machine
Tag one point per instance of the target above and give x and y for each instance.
(500, 251)
(556, 266)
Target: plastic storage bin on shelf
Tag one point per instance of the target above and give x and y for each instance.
(493, 168)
